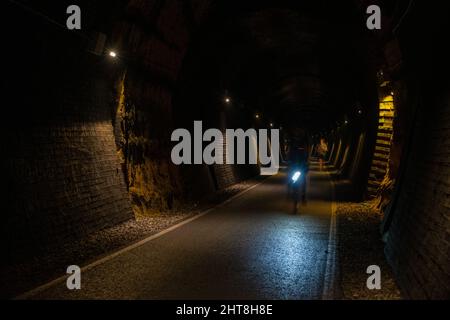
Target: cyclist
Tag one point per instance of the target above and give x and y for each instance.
(298, 159)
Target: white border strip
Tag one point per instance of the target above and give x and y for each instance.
(52, 283)
(330, 270)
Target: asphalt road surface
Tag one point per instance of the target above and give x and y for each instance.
(254, 247)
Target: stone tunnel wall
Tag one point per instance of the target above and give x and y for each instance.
(61, 172)
(418, 219)
(352, 147)
(84, 134)
(156, 37)
(418, 244)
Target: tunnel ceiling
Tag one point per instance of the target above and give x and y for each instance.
(299, 63)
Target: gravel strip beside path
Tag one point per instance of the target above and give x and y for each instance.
(359, 246)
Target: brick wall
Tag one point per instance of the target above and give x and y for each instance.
(59, 157)
(229, 174)
(65, 182)
(418, 245)
(418, 235)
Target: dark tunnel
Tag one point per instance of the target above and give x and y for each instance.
(88, 135)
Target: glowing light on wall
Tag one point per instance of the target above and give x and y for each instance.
(380, 162)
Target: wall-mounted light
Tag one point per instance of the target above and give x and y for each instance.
(271, 125)
(257, 116)
(392, 93)
(360, 111)
(227, 100)
(113, 54)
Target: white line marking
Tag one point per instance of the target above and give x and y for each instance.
(61, 279)
(330, 270)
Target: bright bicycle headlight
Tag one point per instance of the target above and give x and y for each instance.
(296, 175)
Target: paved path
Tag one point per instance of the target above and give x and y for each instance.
(251, 248)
